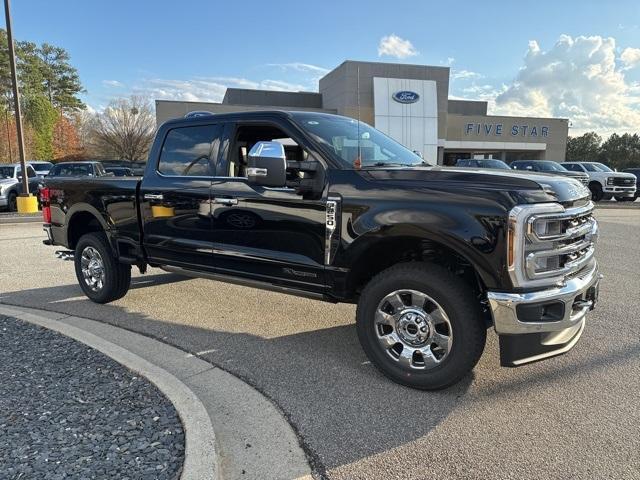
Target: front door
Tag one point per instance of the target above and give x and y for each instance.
(269, 234)
(176, 198)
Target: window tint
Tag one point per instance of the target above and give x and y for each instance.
(30, 171)
(41, 167)
(187, 150)
(574, 167)
(6, 172)
(71, 170)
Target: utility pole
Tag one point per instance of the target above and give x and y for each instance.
(16, 98)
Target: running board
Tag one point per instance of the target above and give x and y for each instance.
(245, 282)
(65, 254)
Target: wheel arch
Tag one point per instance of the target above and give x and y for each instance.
(84, 219)
(375, 254)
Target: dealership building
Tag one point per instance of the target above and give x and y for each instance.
(411, 104)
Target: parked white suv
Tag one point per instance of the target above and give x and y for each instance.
(604, 183)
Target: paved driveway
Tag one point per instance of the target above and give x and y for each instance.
(576, 416)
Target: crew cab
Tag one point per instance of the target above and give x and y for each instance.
(330, 208)
(11, 184)
(604, 183)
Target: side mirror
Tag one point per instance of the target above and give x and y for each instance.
(267, 164)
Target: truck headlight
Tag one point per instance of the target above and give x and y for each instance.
(547, 242)
(609, 180)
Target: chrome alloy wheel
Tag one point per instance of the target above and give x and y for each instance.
(413, 329)
(92, 268)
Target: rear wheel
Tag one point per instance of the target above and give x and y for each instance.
(99, 274)
(420, 325)
(596, 191)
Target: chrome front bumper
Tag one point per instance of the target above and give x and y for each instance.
(620, 191)
(523, 341)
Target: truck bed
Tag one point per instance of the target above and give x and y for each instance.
(113, 200)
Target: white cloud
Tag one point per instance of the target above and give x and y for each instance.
(209, 89)
(578, 78)
(630, 57)
(394, 46)
(464, 75)
(112, 83)
(301, 67)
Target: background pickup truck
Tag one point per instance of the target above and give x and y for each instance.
(604, 183)
(326, 207)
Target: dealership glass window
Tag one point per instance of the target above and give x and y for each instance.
(187, 151)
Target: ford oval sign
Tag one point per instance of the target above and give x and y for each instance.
(406, 96)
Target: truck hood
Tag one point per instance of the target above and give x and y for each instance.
(7, 181)
(529, 187)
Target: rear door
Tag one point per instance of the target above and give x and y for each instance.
(175, 197)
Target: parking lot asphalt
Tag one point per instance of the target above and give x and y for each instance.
(575, 416)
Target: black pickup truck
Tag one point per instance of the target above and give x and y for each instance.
(326, 207)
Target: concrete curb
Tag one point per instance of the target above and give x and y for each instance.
(232, 430)
(200, 460)
(9, 219)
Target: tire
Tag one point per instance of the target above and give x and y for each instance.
(115, 277)
(12, 205)
(452, 312)
(596, 191)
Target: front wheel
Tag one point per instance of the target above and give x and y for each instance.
(13, 202)
(596, 192)
(99, 274)
(420, 325)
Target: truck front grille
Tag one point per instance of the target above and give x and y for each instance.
(560, 244)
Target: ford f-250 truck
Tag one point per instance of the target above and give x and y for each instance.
(330, 208)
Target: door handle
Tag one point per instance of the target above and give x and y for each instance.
(153, 196)
(226, 201)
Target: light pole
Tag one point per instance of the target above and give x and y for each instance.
(26, 205)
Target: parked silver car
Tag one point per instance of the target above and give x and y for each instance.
(11, 184)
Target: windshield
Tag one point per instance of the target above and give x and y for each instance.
(493, 164)
(603, 167)
(71, 170)
(596, 167)
(356, 144)
(41, 167)
(6, 172)
(551, 167)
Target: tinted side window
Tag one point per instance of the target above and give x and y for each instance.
(187, 150)
(30, 171)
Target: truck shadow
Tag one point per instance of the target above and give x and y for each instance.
(343, 408)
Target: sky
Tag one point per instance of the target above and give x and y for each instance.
(573, 59)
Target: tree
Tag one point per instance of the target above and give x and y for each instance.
(125, 129)
(42, 116)
(61, 81)
(585, 148)
(621, 151)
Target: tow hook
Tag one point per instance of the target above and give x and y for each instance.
(65, 254)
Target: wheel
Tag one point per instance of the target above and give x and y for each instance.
(420, 325)
(596, 191)
(13, 202)
(99, 274)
